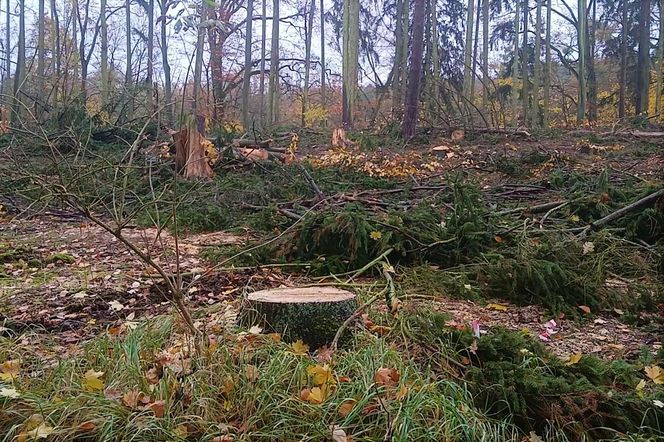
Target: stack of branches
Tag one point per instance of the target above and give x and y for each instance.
(266, 150)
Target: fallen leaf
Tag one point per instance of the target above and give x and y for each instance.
(10, 393)
(224, 438)
(92, 381)
(588, 247)
(655, 373)
(338, 434)
(402, 393)
(130, 398)
(299, 348)
(388, 377)
(87, 426)
(574, 358)
(304, 394)
(498, 307)
(255, 330)
(658, 403)
(375, 235)
(321, 374)
(157, 408)
(498, 239)
(41, 431)
(152, 376)
(9, 370)
(317, 395)
(324, 354)
(115, 305)
(346, 407)
(181, 431)
(585, 309)
(79, 295)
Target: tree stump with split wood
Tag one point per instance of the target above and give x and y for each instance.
(190, 158)
(313, 314)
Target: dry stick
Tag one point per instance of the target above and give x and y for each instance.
(547, 214)
(531, 209)
(645, 201)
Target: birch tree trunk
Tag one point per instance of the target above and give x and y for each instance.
(273, 93)
(547, 63)
(309, 28)
(581, 32)
(351, 40)
(415, 71)
(323, 86)
(246, 83)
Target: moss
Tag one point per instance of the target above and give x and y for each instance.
(64, 258)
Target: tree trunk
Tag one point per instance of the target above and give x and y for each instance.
(581, 36)
(643, 69)
(323, 66)
(165, 65)
(476, 38)
(312, 314)
(660, 60)
(351, 40)
(104, 55)
(515, 63)
(261, 90)
(537, 74)
(415, 71)
(246, 83)
(56, 50)
(198, 60)
(41, 63)
(485, 55)
(590, 65)
(309, 29)
(525, 80)
(7, 88)
(547, 62)
(19, 74)
(273, 109)
(622, 93)
(190, 158)
(434, 90)
(150, 55)
(128, 76)
(400, 57)
(468, 53)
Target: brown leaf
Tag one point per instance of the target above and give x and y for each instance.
(152, 376)
(224, 438)
(131, 398)
(87, 426)
(585, 309)
(157, 408)
(346, 407)
(304, 394)
(388, 377)
(251, 372)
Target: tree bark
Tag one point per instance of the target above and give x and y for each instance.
(246, 83)
(581, 36)
(19, 74)
(150, 49)
(547, 62)
(261, 90)
(351, 40)
(198, 61)
(273, 109)
(525, 89)
(485, 55)
(537, 74)
(7, 88)
(590, 65)
(165, 65)
(415, 71)
(468, 53)
(41, 50)
(309, 28)
(622, 93)
(660, 60)
(643, 68)
(323, 66)
(103, 67)
(400, 58)
(515, 63)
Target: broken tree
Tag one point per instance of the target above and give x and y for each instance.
(190, 158)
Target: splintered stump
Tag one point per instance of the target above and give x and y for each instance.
(313, 314)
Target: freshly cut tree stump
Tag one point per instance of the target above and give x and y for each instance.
(313, 314)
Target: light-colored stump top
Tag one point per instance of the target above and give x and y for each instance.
(301, 295)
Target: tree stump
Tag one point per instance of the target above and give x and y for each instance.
(313, 314)
(190, 158)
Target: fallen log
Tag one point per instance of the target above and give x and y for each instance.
(312, 314)
(264, 144)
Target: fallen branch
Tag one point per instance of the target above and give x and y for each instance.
(643, 202)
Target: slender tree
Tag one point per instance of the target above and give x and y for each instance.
(261, 89)
(400, 57)
(41, 47)
(19, 74)
(547, 64)
(103, 66)
(468, 52)
(582, 34)
(273, 109)
(643, 68)
(525, 80)
(165, 65)
(308, 31)
(537, 74)
(323, 85)
(415, 71)
(485, 55)
(246, 83)
(351, 40)
(515, 63)
(660, 60)
(7, 89)
(150, 49)
(622, 92)
(198, 59)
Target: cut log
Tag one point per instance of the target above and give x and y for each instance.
(312, 314)
(252, 143)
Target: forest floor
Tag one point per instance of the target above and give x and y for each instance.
(489, 236)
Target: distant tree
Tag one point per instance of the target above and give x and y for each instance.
(350, 55)
(415, 72)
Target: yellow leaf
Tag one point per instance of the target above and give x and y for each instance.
(181, 431)
(41, 431)
(640, 387)
(9, 369)
(299, 348)
(375, 235)
(655, 373)
(498, 307)
(574, 358)
(321, 374)
(92, 381)
(575, 218)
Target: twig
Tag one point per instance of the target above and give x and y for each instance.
(547, 214)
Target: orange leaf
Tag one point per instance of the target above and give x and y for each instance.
(346, 407)
(157, 408)
(87, 426)
(387, 376)
(130, 398)
(498, 239)
(585, 309)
